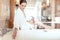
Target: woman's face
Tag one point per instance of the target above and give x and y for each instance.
(22, 6)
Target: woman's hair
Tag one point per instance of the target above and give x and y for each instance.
(23, 1)
(43, 3)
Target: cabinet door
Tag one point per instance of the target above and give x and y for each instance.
(57, 9)
(57, 26)
(57, 13)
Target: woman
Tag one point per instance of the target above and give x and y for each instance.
(20, 21)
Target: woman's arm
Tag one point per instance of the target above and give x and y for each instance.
(16, 24)
(45, 26)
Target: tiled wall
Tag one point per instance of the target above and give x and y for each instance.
(4, 13)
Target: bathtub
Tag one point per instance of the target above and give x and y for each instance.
(53, 34)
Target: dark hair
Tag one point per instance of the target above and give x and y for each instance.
(23, 1)
(43, 3)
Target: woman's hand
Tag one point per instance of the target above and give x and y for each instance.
(14, 33)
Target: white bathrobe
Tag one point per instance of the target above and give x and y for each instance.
(20, 21)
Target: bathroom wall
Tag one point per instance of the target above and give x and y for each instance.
(4, 13)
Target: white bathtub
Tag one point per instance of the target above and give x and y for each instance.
(53, 34)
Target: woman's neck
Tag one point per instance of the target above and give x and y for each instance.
(23, 12)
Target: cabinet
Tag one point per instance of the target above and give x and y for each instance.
(57, 6)
(57, 13)
(57, 25)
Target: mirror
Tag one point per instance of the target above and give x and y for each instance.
(46, 15)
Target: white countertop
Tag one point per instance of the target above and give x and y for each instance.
(53, 34)
(0, 37)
